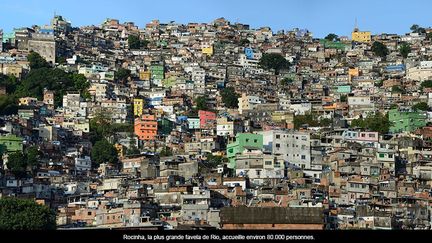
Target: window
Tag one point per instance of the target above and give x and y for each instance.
(277, 145)
(277, 136)
(89, 213)
(255, 140)
(381, 155)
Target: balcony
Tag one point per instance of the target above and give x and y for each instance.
(195, 206)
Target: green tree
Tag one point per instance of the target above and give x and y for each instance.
(429, 36)
(332, 37)
(286, 81)
(380, 49)
(9, 82)
(244, 42)
(61, 60)
(343, 98)
(32, 156)
(144, 43)
(201, 103)
(17, 164)
(104, 152)
(273, 61)
(55, 79)
(308, 119)
(376, 122)
(423, 106)
(8, 105)
(133, 150)
(121, 127)
(414, 28)
(421, 30)
(214, 160)
(122, 74)
(405, 49)
(166, 151)
(36, 61)
(378, 83)
(325, 122)
(426, 84)
(100, 127)
(230, 97)
(80, 82)
(397, 89)
(134, 42)
(24, 214)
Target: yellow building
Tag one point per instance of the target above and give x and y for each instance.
(12, 70)
(27, 101)
(144, 75)
(354, 72)
(361, 36)
(82, 126)
(120, 150)
(207, 50)
(282, 116)
(138, 105)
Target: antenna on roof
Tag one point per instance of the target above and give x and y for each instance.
(355, 25)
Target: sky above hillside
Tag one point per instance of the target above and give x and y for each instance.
(318, 16)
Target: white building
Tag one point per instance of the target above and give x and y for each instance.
(293, 147)
(199, 79)
(83, 164)
(227, 128)
(248, 102)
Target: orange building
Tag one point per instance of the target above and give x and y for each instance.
(146, 127)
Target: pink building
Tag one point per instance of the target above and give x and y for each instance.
(368, 136)
(207, 119)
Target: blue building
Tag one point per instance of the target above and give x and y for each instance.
(249, 53)
(181, 119)
(395, 68)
